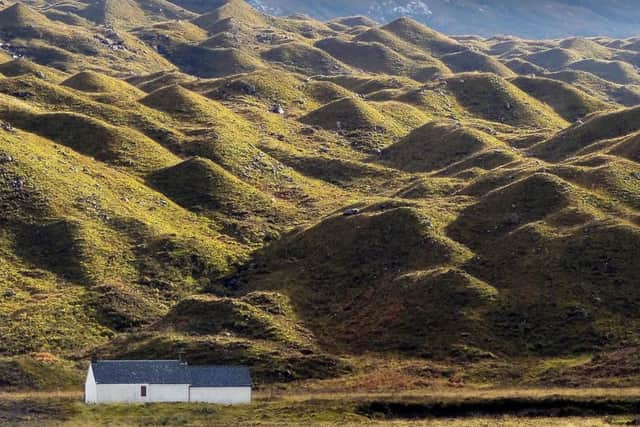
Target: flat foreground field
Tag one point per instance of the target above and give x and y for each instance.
(457, 408)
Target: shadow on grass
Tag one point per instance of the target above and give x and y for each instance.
(521, 407)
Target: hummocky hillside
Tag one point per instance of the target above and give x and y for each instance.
(314, 199)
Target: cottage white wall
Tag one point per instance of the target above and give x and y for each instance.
(168, 393)
(90, 387)
(115, 393)
(130, 393)
(221, 395)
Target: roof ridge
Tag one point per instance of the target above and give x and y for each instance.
(219, 366)
(136, 360)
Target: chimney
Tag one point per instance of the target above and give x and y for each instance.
(181, 357)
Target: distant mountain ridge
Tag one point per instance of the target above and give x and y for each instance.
(539, 19)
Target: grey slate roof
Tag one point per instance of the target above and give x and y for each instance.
(169, 372)
(219, 376)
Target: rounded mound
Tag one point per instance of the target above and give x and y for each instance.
(371, 57)
(436, 145)
(305, 59)
(468, 60)
(493, 98)
(520, 66)
(553, 59)
(89, 81)
(597, 128)
(200, 184)
(505, 209)
(21, 67)
(613, 71)
(349, 114)
(423, 37)
(566, 100)
(355, 21)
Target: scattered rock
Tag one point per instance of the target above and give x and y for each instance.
(9, 293)
(16, 184)
(351, 212)
(635, 175)
(277, 109)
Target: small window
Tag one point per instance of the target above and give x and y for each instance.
(143, 390)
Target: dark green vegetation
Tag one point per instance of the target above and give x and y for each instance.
(316, 200)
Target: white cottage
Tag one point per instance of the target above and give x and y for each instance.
(145, 381)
